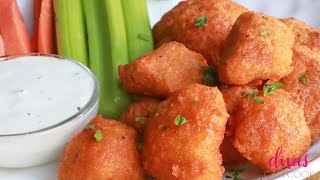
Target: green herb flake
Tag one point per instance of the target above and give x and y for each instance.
(210, 77)
(252, 94)
(258, 100)
(243, 93)
(265, 17)
(90, 126)
(264, 32)
(145, 37)
(195, 101)
(179, 120)
(201, 21)
(78, 108)
(272, 88)
(98, 135)
(253, 87)
(164, 128)
(28, 114)
(304, 79)
(139, 120)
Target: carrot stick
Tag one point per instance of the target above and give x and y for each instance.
(2, 51)
(13, 31)
(36, 10)
(45, 29)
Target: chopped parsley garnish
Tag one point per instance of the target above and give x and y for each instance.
(272, 88)
(28, 114)
(164, 128)
(210, 77)
(303, 79)
(179, 120)
(98, 135)
(254, 96)
(139, 120)
(253, 87)
(145, 37)
(201, 21)
(243, 93)
(78, 108)
(265, 17)
(258, 100)
(195, 101)
(264, 32)
(90, 126)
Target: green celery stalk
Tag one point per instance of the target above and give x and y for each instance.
(139, 34)
(71, 30)
(107, 50)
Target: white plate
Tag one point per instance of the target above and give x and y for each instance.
(306, 10)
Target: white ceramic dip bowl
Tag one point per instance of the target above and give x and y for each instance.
(37, 118)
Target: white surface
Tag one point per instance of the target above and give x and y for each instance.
(43, 97)
(306, 10)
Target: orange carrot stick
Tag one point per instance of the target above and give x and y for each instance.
(45, 30)
(36, 10)
(13, 31)
(2, 51)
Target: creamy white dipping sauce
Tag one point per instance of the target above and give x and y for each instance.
(37, 92)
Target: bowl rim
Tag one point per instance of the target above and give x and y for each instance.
(88, 106)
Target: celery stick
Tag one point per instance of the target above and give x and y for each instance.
(107, 50)
(139, 34)
(71, 30)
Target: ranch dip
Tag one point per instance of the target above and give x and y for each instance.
(37, 92)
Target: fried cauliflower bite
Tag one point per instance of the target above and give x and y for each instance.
(304, 82)
(179, 25)
(163, 71)
(263, 128)
(304, 34)
(257, 48)
(232, 97)
(182, 140)
(114, 157)
(139, 113)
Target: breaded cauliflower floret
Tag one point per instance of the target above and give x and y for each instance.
(215, 19)
(115, 156)
(163, 71)
(264, 128)
(304, 34)
(257, 48)
(304, 82)
(182, 140)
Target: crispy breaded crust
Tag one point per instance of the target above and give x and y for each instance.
(144, 109)
(304, 34)
(263, 128)
(115, 157)
(191, 150)
(163, 71)
(257, 48)
(306, 62)
(179, 25)
(232, 96)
